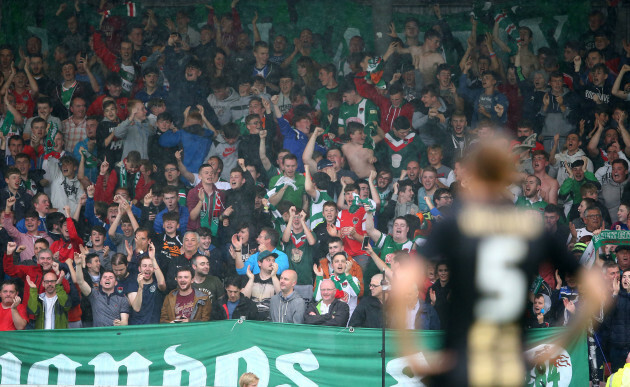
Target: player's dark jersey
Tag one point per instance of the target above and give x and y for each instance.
(493, 254)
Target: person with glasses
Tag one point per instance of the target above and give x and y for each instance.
(330, 311)
(50, 307)
(593, 221)
(369, 312)
(442, 199)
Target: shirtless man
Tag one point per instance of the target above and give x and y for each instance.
(426, 58)
(529, 61)
(549, 187)
(360, 159)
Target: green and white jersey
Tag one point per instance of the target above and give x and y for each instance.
(300, 255)
(321, 99)
(278, 221)
(317, 208)
(364, 112)
(387, 247)
(128, 75)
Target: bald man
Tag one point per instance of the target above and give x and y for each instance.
(369, 312)
(330, 310)
(287, 306)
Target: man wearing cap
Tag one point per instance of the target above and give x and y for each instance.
(187, 87)
(562, 161)
(578, 176)
(263, 285)
(267, 241)
(151, 89)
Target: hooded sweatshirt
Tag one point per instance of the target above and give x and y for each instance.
(196, 142)
(287, 310)
(222, 107)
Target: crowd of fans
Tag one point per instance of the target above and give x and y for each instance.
(200, 175)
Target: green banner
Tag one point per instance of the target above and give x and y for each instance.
(614, 237)
(216, 353)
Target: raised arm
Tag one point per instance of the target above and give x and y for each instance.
(373, 190)
(262, 150)
(247, 289)
(307, 155)
(85, 288)
(31, 81)
(114, 226)
(255, 28)
(309, 187)
(135, 298)
(382, 266)
(236, 251)
(592, 145)
(616, 90)
(189, 176)
(286, 234)
(159, 276)
(372, 232)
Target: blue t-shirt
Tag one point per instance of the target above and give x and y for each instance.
(152, 300)
(231, 306)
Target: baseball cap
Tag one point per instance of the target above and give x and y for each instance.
(266, 253)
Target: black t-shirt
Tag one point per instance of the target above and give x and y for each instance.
(493, 254)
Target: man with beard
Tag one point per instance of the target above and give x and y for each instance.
(185, 304)
(50, 307)
(146, 296)
(120, 265)
(203, 280)
(531, 195)
(108, 307)
(45, 85)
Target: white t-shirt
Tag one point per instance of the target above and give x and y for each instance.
(49, 312)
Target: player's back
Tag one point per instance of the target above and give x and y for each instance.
(493, 253)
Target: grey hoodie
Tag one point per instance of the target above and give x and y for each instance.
(287, 310)
(222, 107)
(611, 197)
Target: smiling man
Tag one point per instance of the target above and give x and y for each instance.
(108, 307)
